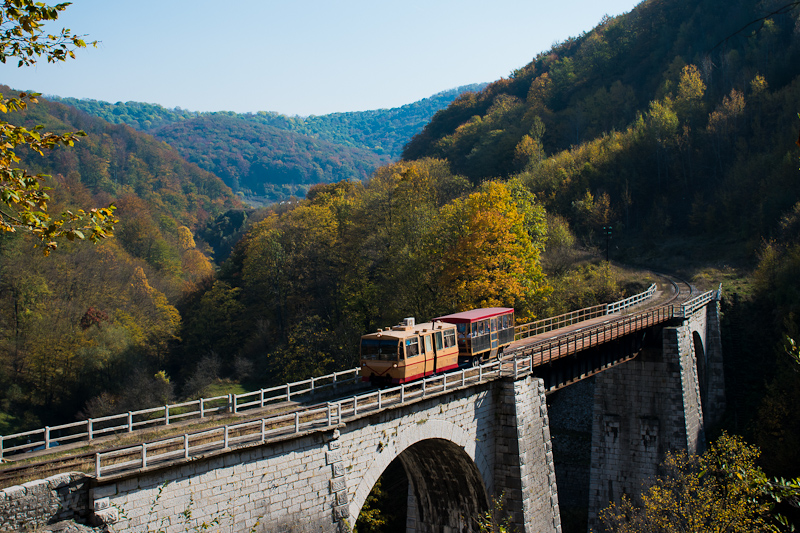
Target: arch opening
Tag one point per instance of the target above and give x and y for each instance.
(435, 483)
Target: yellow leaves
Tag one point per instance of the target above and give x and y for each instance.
(758, 85)
(185, 238)
(488, 258)
(717, 492)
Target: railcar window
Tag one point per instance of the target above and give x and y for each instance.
(494, 325)
(412, 347)
(428, 344)
(379, 349)
(438, 339)
(463, 333)
(449, 338)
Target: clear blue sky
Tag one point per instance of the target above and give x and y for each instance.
(301, 57)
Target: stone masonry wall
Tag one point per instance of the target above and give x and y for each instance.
(45, 501)
(637, 418)
(451, 446)
(524, 462)
(644, 408)
(714, 407)
(285, 486)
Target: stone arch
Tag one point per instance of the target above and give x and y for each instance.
(447, 472)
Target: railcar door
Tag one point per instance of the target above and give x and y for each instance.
(430, 359)
(495, 340)
(438, 345)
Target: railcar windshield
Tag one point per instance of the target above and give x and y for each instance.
(380, 349)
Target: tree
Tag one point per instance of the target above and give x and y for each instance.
(720, 491)
(488, 248)
(23, 197)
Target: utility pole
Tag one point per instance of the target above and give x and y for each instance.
(607, 233)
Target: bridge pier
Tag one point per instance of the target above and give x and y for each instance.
(525, 471)
(654, 404)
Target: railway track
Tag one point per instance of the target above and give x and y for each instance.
(674, 291)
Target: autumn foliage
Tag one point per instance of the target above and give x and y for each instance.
(720, 491)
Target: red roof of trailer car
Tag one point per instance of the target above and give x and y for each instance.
(476, 314)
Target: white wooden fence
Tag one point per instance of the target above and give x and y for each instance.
(93, 428)
(281, 425)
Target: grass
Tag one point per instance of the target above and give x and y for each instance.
(223, 387)
(8, 424)
(704, 261)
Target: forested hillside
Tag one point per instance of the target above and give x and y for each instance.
(274, 156)
(666, 123)
(675, 124)
(666, 118)
(90, 318)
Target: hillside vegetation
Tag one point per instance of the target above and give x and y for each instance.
(667, 123)
(86, 318)
(664, 120)
(272, 156)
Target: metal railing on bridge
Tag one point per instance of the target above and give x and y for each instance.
(182, 447)
(694, 304)
(567, 319)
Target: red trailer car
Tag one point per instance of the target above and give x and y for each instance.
(482, 333)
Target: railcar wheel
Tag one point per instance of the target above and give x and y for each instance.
(476, 361)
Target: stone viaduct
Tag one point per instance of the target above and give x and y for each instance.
(457, 449)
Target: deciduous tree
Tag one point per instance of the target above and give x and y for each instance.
(488, 250)
(23, 197)
(719, 491)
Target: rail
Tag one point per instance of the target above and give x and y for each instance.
(94, 428)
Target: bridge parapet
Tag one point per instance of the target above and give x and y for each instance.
(92, 429)
(687, 309)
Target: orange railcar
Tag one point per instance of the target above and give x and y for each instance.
(408, 351)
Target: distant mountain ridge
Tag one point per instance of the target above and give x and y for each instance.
(273, 156)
